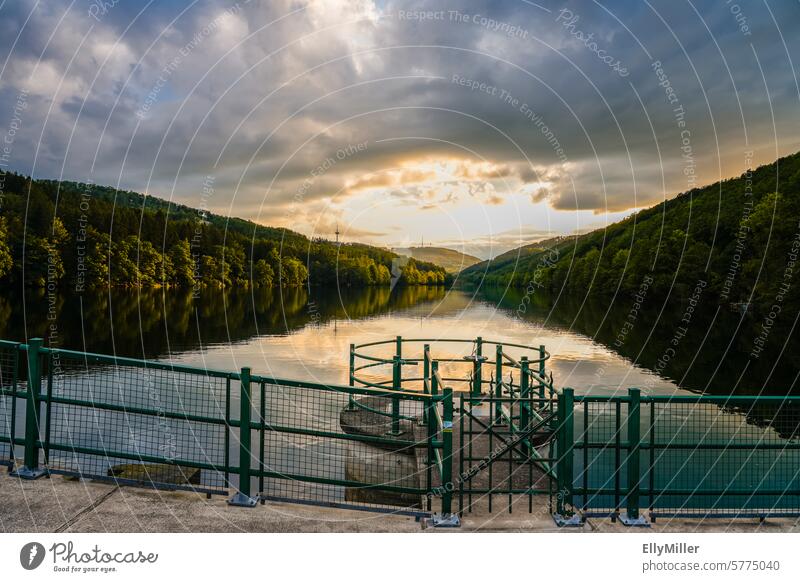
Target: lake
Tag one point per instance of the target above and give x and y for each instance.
(294, 333)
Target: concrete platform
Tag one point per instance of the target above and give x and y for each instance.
(60, 504)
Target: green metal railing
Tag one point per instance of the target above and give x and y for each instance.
(682, 455)
(474, 366)
(524, 405)
(163, 425)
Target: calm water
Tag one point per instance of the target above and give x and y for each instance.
(291, 333)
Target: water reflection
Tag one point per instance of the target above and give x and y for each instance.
(154, 323)
(710, 354)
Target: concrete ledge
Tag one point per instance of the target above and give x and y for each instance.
(60, 504)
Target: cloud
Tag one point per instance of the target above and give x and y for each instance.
(501, 102)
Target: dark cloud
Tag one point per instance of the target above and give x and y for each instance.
(258, 94)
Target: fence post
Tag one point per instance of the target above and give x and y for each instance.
(242, 497)
(477, 367)
(30, 468)
(396, 381)
(399, 354)
(542, 354)
(498, 382)
(564, 466)
(447, 518)
(524, 396)
(426, 376)
(426, 366)
(350, 402)
(631, 516)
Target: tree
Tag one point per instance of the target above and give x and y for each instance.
(293, 272)
(6, 260)
(263, 275)
(183, 266)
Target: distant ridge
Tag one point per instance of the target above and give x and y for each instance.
(452, 261)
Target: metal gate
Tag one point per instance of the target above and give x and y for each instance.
(505, 439)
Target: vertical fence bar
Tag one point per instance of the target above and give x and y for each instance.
(242, 498)
(399, 355)
(426, 366)
(461, 481)
(524, 397)
(447, 453)
(48, 409)
(262, 429)
(565, 443)
(30, 468)
(426, 376)
(651, 466)
(477, 365)
(542, 371)
(617, 454)
(396, 380)
(15, 386)
(352, 375)
(430, 422)
(228, 429)
(634, 436)
(498, 382)
(586, 443)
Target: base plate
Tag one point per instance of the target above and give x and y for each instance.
(241, 500)
(444, 520)
(574, 520)
(640, 521)
(28, 474)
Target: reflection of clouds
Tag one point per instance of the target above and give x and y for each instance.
(320, 353)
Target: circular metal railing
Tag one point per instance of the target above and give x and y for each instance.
(475, 365)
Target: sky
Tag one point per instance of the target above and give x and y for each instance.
(479, 126)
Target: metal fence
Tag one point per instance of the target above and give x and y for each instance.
(10, 370)
(678, 456)
(156, 424)
(383, 445)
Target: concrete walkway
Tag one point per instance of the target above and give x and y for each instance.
(60, 504)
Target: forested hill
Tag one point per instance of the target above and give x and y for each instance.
(81, 235)
(739, 237)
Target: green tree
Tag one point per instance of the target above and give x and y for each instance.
(183, 266)
(6, 260)
(263, 275)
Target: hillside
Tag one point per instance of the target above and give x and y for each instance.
(452, 261)
(81, 235)
(740, 237)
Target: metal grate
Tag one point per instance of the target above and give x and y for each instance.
(504, 451)
(696, 456)
(710, 459)
(314, 446)
(600, 474)
(9, 403)
(137, 422)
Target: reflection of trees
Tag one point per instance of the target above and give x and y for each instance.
(154, 322)
(5, 312)
(702, 360)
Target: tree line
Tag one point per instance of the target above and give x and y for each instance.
(55, 233)
(737, 239)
